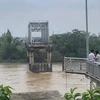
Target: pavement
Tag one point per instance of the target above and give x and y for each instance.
(44, 95)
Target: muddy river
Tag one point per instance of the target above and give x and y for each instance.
(22, 80)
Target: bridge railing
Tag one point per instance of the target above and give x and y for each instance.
(79, 65)
(74, 64)
(93, 69)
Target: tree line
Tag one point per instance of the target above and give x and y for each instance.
(70, 44)
(73, 44)
(12, 48)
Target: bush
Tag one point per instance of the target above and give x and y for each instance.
(72, 95)
(93, 94)
(5, 92)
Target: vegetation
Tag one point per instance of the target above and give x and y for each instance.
(70, 44)
(73, 44)
(72, 95)
(93, 94)
(11, 48)
(5, 92)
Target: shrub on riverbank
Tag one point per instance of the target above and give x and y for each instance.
(5, 92)
(93, 94)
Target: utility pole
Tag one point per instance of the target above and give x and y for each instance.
(87, 34)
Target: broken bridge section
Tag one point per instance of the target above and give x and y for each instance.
(39, 49)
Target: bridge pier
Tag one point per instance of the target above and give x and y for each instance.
(41, 46)
(48, 57)
(39, 66)
(31, 58)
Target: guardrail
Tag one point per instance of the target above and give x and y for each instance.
(74, 64)
(79, 65)
(93, 69)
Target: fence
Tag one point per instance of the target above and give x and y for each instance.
(93, 69)
(74, 64)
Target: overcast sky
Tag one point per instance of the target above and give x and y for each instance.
(63, 15)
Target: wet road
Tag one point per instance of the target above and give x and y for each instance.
(22, 80)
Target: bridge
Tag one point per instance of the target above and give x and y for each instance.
(40, 47)
(43, 47)
(83, 66)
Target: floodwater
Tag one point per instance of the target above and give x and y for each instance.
(22, 80)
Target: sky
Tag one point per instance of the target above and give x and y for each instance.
(62, 15)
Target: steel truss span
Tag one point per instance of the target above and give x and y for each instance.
(38, 27)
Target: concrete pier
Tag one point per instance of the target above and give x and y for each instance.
(39, 46)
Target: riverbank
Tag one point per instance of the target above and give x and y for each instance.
(14, 61)
(45, 95)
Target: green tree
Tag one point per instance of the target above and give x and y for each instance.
(6, 40)
(11, 48)
(70, 44)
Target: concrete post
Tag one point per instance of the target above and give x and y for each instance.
(93, 84)
(90, 84)
(29, 57)
(27, 54)
(97, 84)
(63, 64)
(32, 58)
(48, 57)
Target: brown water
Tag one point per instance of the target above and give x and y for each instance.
(22, 80)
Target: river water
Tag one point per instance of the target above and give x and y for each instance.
(22, 80)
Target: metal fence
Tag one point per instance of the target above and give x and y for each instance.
(93, 69)
(74, 64)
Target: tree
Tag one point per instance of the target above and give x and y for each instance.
(11, 48)
(70, 43)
